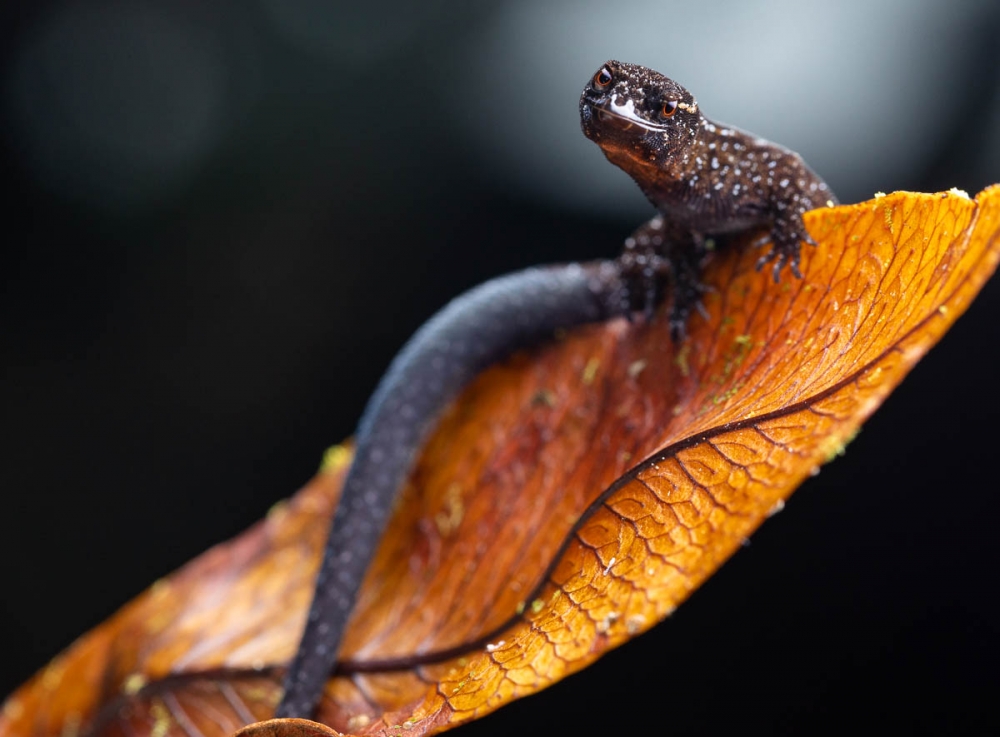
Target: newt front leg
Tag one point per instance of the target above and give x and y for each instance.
(661, 257)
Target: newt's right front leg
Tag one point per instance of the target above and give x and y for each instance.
(661, 256)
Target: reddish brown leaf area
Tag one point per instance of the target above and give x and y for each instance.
(600, 480)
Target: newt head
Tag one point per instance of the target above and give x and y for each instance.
(640, 118)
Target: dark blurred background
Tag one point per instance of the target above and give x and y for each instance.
(223, 219)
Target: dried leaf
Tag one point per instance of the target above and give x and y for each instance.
(573, 497)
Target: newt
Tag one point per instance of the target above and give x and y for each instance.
(705, 179)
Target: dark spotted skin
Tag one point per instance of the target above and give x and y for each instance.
(706, 179)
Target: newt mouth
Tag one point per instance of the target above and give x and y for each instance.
(618, 121)
(623, 117)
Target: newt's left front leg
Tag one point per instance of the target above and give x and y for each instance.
(786, 240)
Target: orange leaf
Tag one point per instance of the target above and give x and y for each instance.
(541, 544)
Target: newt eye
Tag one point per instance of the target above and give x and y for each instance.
(668, 109)
(603, 78)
